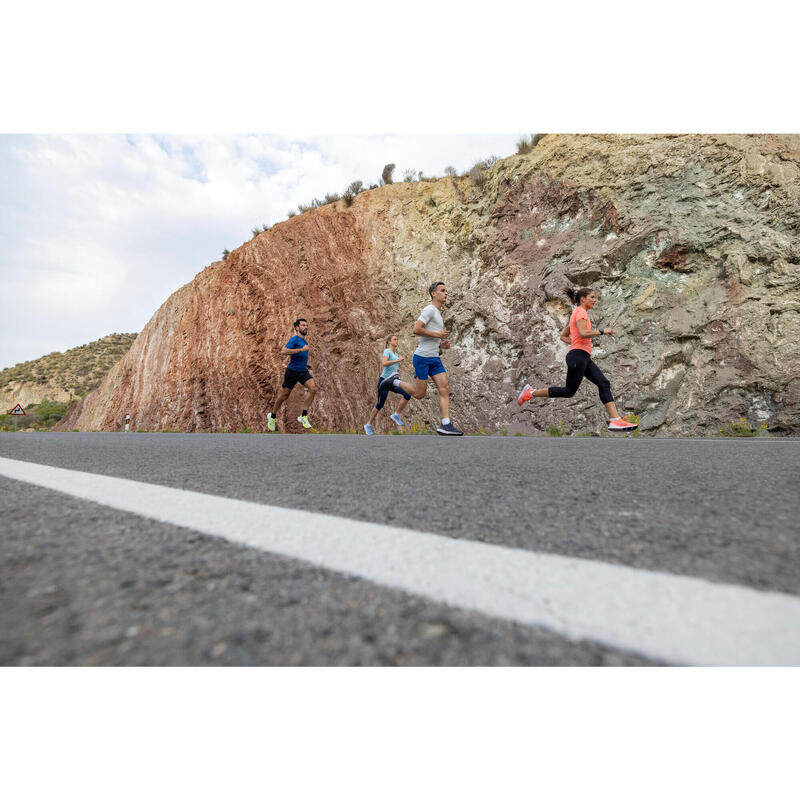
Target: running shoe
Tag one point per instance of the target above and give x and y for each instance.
(449, 430)
(368, 429)
(396, 419)
(271, 422)
(621, 425)
(304, 422)
(526, 395)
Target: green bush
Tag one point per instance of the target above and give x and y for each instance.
(556, 430)
(742, 428)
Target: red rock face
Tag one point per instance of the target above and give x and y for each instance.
(210, 359)
(691, 242)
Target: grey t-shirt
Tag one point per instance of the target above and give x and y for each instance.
(432, 321)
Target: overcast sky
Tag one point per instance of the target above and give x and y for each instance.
(97, 231)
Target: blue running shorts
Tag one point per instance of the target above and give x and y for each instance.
(425, 368)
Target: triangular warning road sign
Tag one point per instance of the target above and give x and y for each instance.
(18, 410)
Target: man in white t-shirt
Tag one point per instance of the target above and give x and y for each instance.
(433, 338)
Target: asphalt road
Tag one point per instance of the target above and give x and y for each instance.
(86, 584)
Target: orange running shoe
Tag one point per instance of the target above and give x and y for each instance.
(621, 425)
(526, 395)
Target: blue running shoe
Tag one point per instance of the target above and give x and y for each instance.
(368, 429)
(449, 430)
(396, 419)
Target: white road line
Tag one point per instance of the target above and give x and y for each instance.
(667, 617)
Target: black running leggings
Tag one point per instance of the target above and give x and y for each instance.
(382, 395)
(580, 366)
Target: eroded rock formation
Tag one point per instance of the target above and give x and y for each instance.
(692, 241)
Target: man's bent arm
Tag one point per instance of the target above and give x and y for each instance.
(420, 330)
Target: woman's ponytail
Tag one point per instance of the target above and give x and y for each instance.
(576, 294)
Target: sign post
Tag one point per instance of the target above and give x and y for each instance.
(127, 423)
(17, 411)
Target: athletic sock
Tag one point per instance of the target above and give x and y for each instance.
(305, 413)
(445, 420)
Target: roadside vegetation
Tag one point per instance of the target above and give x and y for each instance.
(741, 428)
(76, 371)
(39, 416)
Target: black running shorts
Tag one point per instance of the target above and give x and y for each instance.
(291, 378)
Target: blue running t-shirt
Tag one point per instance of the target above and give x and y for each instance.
(298, 361)
(392, 368)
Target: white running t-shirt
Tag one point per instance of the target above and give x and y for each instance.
(432, 321)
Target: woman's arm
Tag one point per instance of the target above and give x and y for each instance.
(565, 336)
(586, 333)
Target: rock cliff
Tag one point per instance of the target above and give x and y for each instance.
(692, 241)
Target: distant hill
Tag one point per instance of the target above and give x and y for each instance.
(62, 377)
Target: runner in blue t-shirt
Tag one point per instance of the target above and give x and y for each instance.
(389, 362)
(296, 372)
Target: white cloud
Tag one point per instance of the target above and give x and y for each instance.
(97, 231)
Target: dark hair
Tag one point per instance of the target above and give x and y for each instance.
(576, 294)
(433, 286)
(390, 337)
(298, 321)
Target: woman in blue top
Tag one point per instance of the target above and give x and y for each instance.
(389, 362)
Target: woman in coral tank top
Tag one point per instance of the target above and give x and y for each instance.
(578, 334)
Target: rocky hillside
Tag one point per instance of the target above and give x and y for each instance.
(63, 376)
(692, 241)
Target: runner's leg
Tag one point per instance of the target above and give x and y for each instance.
(382, 395)
(595, 375)
(417, 390)
(443, 387)
(577, 361)
(281, 399)
(405, 397)
(310, 391)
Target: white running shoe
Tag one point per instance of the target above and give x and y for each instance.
(396, 419)
(304, 421)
